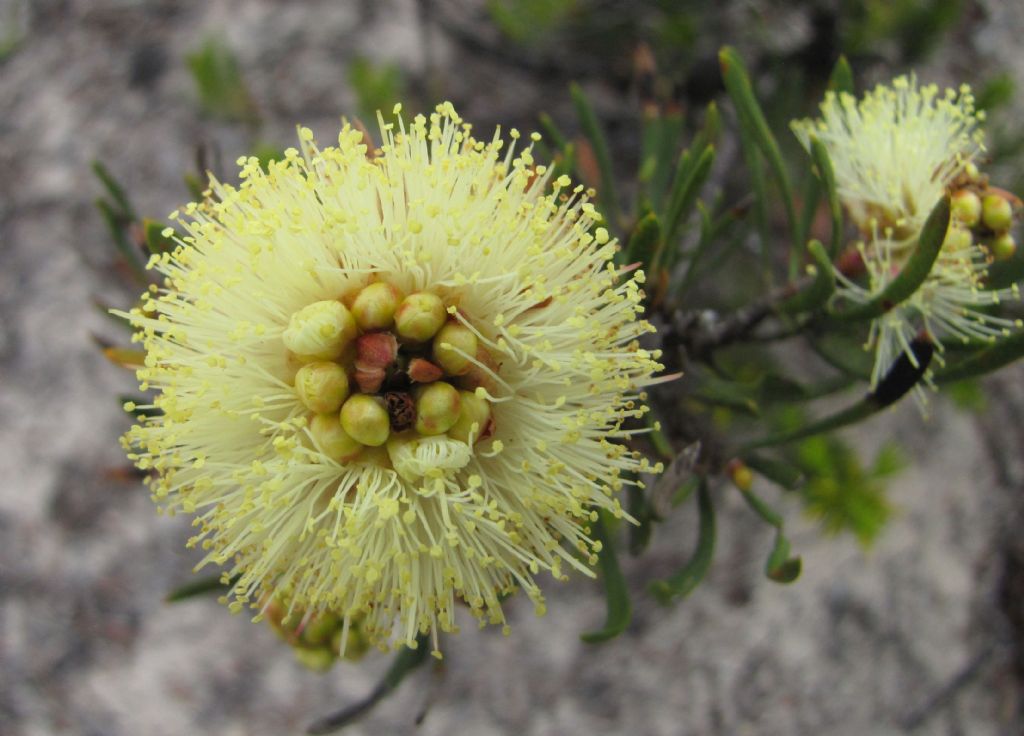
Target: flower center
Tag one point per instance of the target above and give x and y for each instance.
(384, 369)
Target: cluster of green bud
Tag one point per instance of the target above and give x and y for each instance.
(387, 365)
(982, 213)
(317, 640)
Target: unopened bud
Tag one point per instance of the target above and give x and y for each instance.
(957, 239)
(1003, 246)
(366, 420)
(967, 207)
(454, 345)
(320, 629)
(996, 213)
(320, 330)
(322, 386)
(740, 475)
(474, 418)
(369, 378)
(319, 659)
(374, 307)
(420, 316)
(376, 349)
(332, 439)
(437, 408)
(423, 371)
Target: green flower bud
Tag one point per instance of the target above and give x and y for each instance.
(366, 420)
(319, 659)
(451, 346)
(332, 439)
(374, 307)
(957, 239)
(322, 386)
(967, 207)
(320, 629)
(1003, 246)
(996, 213)
(473, 419)
(437, 408)
(420, 316)
(320, 330)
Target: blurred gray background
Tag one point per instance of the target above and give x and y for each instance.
(921, 635)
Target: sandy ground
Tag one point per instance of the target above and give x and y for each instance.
(914, 637)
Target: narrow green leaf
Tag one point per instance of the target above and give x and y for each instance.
(841, 79)
(218, 78)
(999, 354)
(737, 84)
(115, 190)
(683, 582)
(690, 177)
(201, 586)
(779, 566)
(619, 610)
(117, 226)
(819, 154)
(645, 241)
(820, 290)
(810, 196)
(405, 661)
(779, 472)
(914, 272)
(593, 132)
(552, 132)
(639, 508)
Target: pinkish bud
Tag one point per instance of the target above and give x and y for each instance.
(423, 371)
(376, 349)
(369, 378)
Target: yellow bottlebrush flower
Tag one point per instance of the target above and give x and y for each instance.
(896, 150)
(895, 153)
(522, 334)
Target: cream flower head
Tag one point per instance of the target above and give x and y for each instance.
(895, 153)
(896, 150)
(393, 380)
